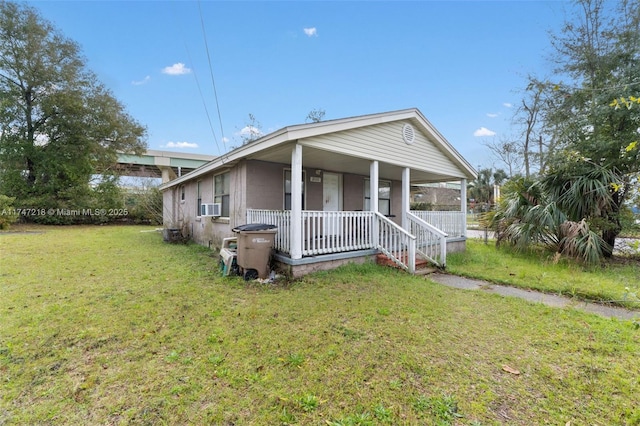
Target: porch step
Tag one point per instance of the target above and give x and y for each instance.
(425, 271)
(423, 266)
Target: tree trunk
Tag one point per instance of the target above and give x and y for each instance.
(609, 237)
(541, 171)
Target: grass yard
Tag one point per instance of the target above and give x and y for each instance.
(109, 325)
(617, 283)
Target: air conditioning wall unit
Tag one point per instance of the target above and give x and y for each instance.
(210, 209)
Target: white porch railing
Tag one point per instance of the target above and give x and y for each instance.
(431, 242)
(279, 218)
(322, 232)
(336, 231)
(340, 231)
(452, 223)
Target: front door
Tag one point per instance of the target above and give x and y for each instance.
(332, 201)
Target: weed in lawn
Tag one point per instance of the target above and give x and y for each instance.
(216, 359)
(395, 384)
(359, 419)
(444, 409)
(254, 377)
(286, 417)
(294, 360)
(382, 413)
(421, 403)
(309, 402)
(222, 373)
(214, 338)
(173, 356)
(384, 311)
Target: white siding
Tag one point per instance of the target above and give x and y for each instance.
(383, 142)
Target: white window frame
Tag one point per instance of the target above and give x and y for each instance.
(224, 198)
(198, 197)
(367, 198)
(284, 189)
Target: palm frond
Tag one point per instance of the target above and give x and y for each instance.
(580, 242)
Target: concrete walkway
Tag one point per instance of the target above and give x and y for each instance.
(534, 296)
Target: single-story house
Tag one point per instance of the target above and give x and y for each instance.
(338, 191)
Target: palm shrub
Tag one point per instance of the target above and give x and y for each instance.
(532, 212)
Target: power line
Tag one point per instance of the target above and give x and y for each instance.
(213, 81)
(204, 103)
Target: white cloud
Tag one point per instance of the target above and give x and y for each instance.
(508, 105)
(311, 32)
(181, 145)
(176, 69)
(141, 82)
(250, 131)
(492, 114)
(225, 140)
(483, 131)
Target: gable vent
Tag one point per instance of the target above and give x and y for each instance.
(408, 134)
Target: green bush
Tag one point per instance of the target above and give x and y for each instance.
(8, 214)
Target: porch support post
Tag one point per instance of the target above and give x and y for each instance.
(373, 186)
(373, 202)
(296, 202)
(406, 197)
(463, 205)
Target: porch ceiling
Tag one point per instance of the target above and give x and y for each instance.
(336, 162)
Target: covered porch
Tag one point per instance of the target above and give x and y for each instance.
(350, 224)
(330, 235)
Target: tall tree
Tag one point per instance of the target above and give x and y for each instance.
(508, 152)
(599, 51)
(593, 170)
(58, 124)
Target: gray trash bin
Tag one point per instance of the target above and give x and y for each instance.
(255, 242)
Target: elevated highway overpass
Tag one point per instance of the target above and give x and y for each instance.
(167, 165)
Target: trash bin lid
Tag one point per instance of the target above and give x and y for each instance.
(254, 227)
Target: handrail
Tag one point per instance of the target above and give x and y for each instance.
(431, 242)
(396, 243)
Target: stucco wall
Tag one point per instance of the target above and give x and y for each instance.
(259, 185)
(265, 186)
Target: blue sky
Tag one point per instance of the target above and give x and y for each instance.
(460, 62)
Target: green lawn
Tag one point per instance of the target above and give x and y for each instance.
(109, 325)
(618, 282)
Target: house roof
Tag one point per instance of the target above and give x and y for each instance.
(275, 146)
